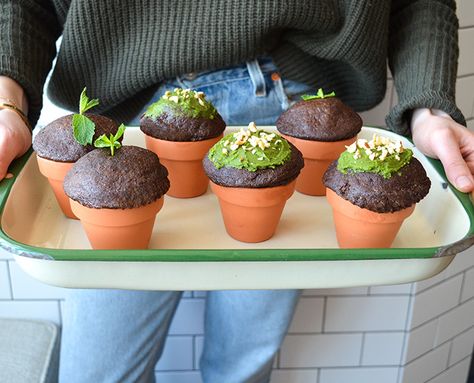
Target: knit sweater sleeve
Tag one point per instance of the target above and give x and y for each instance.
(423, 54)
(28, 30)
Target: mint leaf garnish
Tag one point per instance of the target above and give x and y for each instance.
(83, 129)
(320, 95)
(85, 104)
(112, 141)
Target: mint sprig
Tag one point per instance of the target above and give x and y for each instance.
(319, 95)
(85, 104)
(112, 141)
(83, 127)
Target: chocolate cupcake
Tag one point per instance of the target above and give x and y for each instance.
(320, 126)
(56, 140)
(375, 179)
(253, 173)
(180, 128)
(117, 197)
(63, 141)
(132, 178)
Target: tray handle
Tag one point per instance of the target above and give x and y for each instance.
(7, 183)
(455, 247)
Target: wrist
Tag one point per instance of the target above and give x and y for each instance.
(12, 92)
(13, 119)
(421, 114)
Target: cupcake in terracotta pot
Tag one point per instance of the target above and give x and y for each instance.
(180, 128)
(253, 173)
(116, 192)
(372, 188)
(320, 126)
(63, 141)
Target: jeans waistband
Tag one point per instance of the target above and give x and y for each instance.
(253, 69)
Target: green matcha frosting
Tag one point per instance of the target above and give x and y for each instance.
(182, 102)
(380, 155)
(251, 149)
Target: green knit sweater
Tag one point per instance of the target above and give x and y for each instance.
(122, 49)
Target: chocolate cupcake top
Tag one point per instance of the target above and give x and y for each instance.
(56, 140)
(133, 177)
(182, 115)
(253, 158)
(379, 175)
(320, 118)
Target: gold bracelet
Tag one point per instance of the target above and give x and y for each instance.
(10, 105)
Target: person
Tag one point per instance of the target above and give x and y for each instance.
(252, 59)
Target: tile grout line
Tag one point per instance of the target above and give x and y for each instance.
(325, 304)
(437, 347)
(441, 314)
(454, 365)
(10, 281)
(442, 281)
(362, 346)
(461, 292)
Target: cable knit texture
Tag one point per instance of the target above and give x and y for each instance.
(121, 50)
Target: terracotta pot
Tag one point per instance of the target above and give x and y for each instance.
(55, 172)
(118, 228)
(361, 228)
(184, 163)
(252, 215)
(317, 157)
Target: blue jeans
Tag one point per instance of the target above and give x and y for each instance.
(118, 335)
(249, 92)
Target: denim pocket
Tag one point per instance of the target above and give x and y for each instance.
(294, 90)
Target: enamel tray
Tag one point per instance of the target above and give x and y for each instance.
(190, 249)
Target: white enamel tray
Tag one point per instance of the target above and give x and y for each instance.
(190, 249)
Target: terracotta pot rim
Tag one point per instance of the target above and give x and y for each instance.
(320, 150)
(347, 208)
(53, 169)
(55, 161)
(253, 196)
(244, 188)
(180, 150)
(113, 217)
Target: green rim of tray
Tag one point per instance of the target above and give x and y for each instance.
(227, 255)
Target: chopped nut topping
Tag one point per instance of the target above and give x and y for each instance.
(352, 147)
(378, 148)
(362, 143)
(251, 139)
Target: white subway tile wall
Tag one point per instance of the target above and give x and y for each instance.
(287, 376)
(411, 333)
(436, 300)
(454, 374)
(461, 347)
(420, 341)
(5, 290)
(428, 366)
(359, 375)
(383, 349)
(322, 350)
